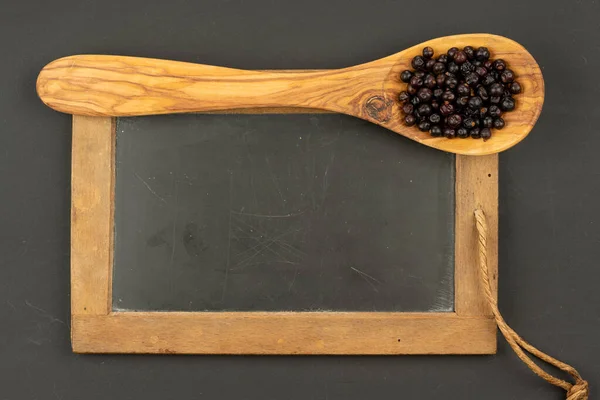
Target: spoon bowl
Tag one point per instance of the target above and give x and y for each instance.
(519, 122)
(114, 86)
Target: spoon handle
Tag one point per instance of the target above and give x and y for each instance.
(116, 86)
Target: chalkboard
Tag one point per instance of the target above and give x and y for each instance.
(302, 212)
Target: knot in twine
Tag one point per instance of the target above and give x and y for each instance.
(579, 391)
(575, 391)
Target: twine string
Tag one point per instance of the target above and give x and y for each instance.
(575, 391)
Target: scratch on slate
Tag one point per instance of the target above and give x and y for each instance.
(43, 312)
(11, 305)
(251, 179)
(293, 280)
(263, 245)
(33, 341)
(283, 244)
(173, 243)
(275, 182)
(366, 277)
(149, 188)
(326, 179)
(229, 238)
(268, 215)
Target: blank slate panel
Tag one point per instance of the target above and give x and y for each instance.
(301, 212)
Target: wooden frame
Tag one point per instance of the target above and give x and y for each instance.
(95, 328)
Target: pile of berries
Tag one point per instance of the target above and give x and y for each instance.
(459, 94)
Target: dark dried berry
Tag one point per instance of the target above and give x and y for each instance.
(507, 104)
(482, 54)
(435, 118)
(469, 123)
(496, 89)
(469, 51)
(483, 93)
(454, 120)
(486, 133)
(499, 65)
(475, 133)
(403, 96)
(435, 131)
(424, 126)
(416, 82)
(449, 133)
(446, 109)
(462, 101)
(494, 111)
(427, 52)
(487, 122)
(424, 110)
(463, 94)
(441, 80)
(460, 57)
(418, 62)
(481, 71)
(466, 68)
(429, 81)
(463, 89)
(469, 112)
(462, 133)
(472, 78)
(451, 82)
(453, 67)
(515, 88)
(488, 80)
(429, 65)
(438, 68)
(405, 76)
(410, 120)
(475, 102)
(448, 95)
(498, 123)
(507, 76)
(424, 94)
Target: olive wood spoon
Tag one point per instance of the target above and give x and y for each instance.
(117, 86)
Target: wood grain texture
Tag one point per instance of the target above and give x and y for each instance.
(476, 187)
(103, 85)
(283, 333)
(92, 201)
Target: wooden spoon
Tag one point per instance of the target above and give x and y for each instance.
(104, 85)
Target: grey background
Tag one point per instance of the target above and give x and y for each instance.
(280, 213)
(550, 186)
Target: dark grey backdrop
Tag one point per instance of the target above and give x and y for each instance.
(550, 188)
